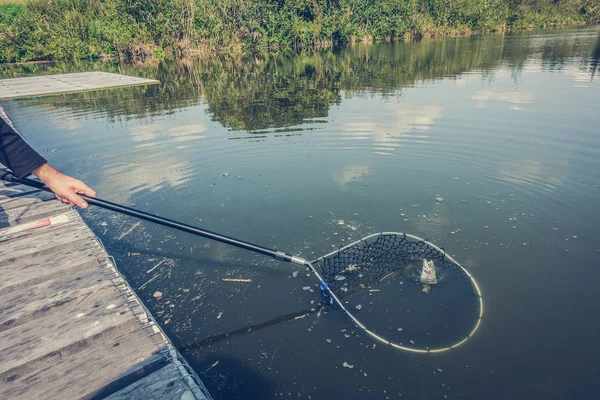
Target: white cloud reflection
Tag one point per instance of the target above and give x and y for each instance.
(402, 122)
(515, 99)
(350, 173)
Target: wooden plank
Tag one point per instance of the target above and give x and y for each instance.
(82, 373)
(65, 329)
(80, 369)
(49, 265)
(81, 282)
(10, 202)
(18, 251)
(47, 334)
(66, 83)
(31, 212)
(165, 383)
(72, 223)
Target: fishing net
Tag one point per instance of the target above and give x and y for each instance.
(404, 291)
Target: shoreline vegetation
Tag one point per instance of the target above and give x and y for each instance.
(139, 30)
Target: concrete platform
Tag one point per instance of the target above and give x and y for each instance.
(14, 88)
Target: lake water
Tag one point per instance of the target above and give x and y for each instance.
(278, 149)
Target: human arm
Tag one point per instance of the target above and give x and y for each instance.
(22, 159)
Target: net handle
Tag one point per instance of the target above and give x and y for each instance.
(108, 205)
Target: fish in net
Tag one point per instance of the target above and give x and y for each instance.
(403, 290)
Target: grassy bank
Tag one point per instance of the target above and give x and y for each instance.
(77, 29)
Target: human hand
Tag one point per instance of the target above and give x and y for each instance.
(65, 188)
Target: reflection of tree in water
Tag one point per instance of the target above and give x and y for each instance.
(280, 90)
(595, 61)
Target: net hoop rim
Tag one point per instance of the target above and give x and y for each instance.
(382, 339)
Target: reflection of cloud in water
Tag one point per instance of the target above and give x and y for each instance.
(186, 130)
(407, 121)
(142, 133)
(149, 167)
(481, 96)
(350, 173)
(186, 133)
(533, 173)
(124, 179)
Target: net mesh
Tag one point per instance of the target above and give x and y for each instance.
(378, 280)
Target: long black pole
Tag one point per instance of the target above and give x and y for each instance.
(280, 255)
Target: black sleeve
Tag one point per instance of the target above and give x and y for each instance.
(15, 153)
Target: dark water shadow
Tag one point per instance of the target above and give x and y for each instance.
(228, 378)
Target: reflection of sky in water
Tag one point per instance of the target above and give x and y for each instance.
(519, 208)
(391, 124)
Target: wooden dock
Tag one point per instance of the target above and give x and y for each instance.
(46, 85)
(70, 325)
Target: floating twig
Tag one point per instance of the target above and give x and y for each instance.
(129, 231)
(237, 280)
(387, 276)
(151, 279)
(156, 266)
(212, 366)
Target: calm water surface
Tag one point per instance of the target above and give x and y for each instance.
(278, 149)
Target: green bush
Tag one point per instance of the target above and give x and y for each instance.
(79, 29)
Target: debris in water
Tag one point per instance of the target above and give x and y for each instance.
(400, 329)
(341, 222)
(129, 231)
(387, 276)
(294, 274)
(426, 288)
(225, 174)
(220, 314)
(157, 294)
(156, 266)
(372, 290)
(358, 306)
(328, 340)
(339, 278)
(151, 279)
(346, 365)
(439, 198)
(352, 267)
(237, 280)
(212, 366)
